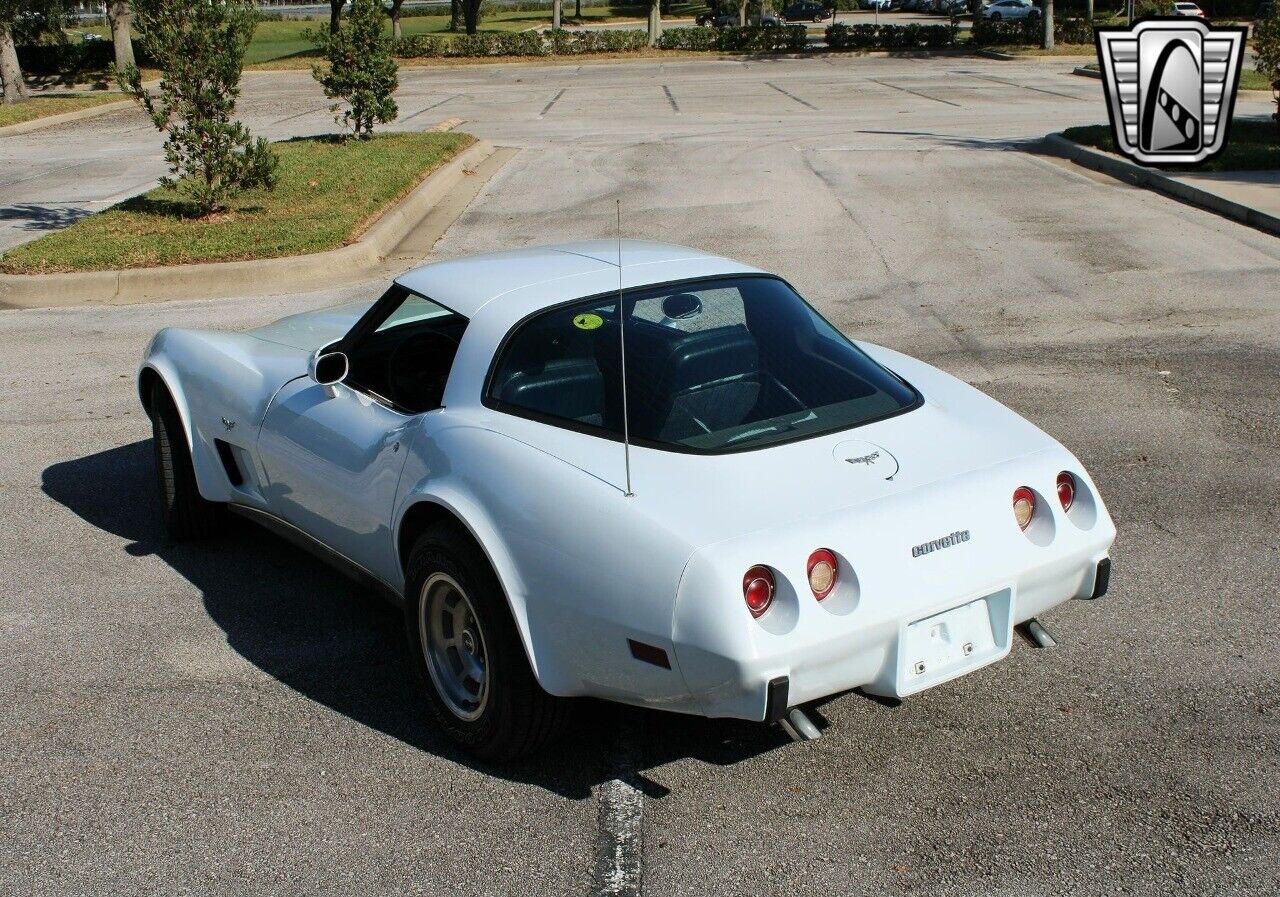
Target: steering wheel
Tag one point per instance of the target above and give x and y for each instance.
(418, 369)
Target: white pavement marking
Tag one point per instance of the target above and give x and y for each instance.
(619, 842)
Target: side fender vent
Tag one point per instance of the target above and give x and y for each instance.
(228, 459)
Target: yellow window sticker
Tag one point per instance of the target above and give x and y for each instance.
(588, 322)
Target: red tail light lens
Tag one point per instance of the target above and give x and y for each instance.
(757, 590)
(1066, 490)
(1024, 506)
(822, 570)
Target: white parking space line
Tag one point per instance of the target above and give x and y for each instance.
(915, 92)
(428, 108)
(675, 107)
(791, 95)
(554, 100)
(994, 80)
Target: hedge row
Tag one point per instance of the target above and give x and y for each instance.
(889, 37)
(521, 43)
(791, 38)
(71, 57)
(987, 33)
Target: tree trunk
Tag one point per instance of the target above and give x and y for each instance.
(577, 10)
(1088, 10)
(15, 89)
(655, 22)
(335, 15)
(454, 12)
(742, 14)
(1046, 18)
(471, 15)
(557, 7)
(121, 15)
(396, 33)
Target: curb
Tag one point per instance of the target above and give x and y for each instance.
(995, 54)
(1086, 73)
(261, 276)
(1138, 176)
(63, 118)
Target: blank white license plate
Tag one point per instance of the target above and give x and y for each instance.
(948, 644)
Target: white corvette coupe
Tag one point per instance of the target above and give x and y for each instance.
(667, 482)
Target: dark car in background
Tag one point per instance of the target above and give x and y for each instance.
(805, 11)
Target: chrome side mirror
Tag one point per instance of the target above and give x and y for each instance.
(328, 368)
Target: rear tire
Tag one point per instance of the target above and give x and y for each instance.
(187, 515)
(468, 652)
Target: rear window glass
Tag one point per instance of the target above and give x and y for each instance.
(712, 366)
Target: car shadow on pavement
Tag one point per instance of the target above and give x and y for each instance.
(343, 646)
(32, 216)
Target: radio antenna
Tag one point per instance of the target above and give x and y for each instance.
(622, 343)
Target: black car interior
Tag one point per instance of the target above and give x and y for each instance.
(408, 365)
(682, 384)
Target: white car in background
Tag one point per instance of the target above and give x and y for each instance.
(1009, 9)
(703, 498)
(1189, 10)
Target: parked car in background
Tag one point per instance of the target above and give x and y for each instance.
(876, 4)
(730, 20)
(805, 11)
(1010, 9)
(1187, 9)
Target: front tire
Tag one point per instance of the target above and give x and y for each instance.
(469, 655)
(187, 515)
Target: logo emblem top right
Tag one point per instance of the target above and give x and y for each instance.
(1171, 87)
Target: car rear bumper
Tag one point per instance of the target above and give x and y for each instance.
(874, 650)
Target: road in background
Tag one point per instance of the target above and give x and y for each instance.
(233, 718)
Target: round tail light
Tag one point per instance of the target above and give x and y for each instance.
(1066, 490)
(822, 569)
(1024, 506)
(757, 590)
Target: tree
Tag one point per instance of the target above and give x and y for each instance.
(470, 14)
(335, 15)
(24, 22)
(455, 10)
(1266, 51)
(200, 50)
(557, 6)
(361, 70)
(655, 22)
(1046, 21)
(120, 14)
(395, 19)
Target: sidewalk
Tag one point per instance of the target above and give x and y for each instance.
(1250, 197)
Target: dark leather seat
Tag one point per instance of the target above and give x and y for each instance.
(568, 388)
(710, 379)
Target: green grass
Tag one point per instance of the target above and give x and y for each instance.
(329, 192)
(42, 107)
(1250, 79)
(1251, 145)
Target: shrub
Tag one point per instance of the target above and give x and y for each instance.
(990, 33)
(1073, 31)
(1266, 51)
(361, 70)
(609, 41)
(420, 46)
(200, 50)
(72, 57)
(889, 37)
(688, 39)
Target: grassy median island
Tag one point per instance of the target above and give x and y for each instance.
(328, 194)
(1252, 145)
(42, 107)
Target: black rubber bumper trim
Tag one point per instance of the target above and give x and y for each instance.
(1102, 578)
(775, 705)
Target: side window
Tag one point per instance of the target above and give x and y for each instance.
(564, 365)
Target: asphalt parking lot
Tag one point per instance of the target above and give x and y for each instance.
(233, 718)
